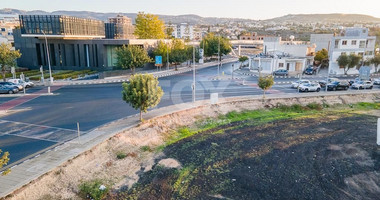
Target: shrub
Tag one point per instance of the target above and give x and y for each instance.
(146, 148)
(91, 189)
(121, 155)
(314, 106)
(297, 108)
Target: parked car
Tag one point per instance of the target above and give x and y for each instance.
(295, 84)
(376, 81)
(281, 72)
(354, 81)
(310, 87)
(362, 85)
(310, 71)
(10, 85)
(8, 89)
(338, 85)
(19, 85)
(323, 83)
(25, 84)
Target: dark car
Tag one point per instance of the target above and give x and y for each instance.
(281, 72)
(12, 85)
(310, 71)
(5, 89)
(338, 85)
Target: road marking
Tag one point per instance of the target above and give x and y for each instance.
(37, 125)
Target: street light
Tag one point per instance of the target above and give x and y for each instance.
(193, 73)
(218, 55)
(48, 57)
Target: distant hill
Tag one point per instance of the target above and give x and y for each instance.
(336, 17)
(195, 19)
(191, 19)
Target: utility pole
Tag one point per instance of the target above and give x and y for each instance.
(167, 57)
(218, 55)
(193, 74)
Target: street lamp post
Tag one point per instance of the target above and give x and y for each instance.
(48, 57)
(193, 74)
(218, 55)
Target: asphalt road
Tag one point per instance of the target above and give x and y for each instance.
(48, 120)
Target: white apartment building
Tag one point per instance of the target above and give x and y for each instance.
(322, 41)
(183, 31)
(293, 56)
(351, 41)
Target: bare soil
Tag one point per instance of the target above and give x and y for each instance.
(332, 156)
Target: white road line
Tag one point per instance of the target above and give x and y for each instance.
(34, 138)
(57, 128)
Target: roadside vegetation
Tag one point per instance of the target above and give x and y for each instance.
(284, 152)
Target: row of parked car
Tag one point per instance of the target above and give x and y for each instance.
(333, 84)
(13, 86)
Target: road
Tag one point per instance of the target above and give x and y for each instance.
(40, 123)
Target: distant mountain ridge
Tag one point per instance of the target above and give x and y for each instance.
(195, 19)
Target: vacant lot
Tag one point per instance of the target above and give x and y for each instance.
(285, 153)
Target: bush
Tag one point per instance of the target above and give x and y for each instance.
(121, 155)
(314, 106)
(146, 148)
(91, 189)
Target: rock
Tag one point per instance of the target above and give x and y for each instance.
(170, 163)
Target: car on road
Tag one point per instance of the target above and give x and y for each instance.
(6, 89)
(11, 85)
(338, 85)
(25, 84)
(362, 85)
(281, 72)
(323, 83)
(309, 71)
(376, 81)
(310, 87)
(295, 84)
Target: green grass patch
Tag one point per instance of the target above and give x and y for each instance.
(92, 189)
(146, 149)
(121, 155)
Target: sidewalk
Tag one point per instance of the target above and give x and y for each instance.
(42, 163)
(158, 74)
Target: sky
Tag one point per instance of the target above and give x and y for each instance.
(248, 9)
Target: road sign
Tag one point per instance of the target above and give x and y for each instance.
(158, 61)
(364, 72)
(13, 70)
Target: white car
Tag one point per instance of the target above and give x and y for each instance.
(299, 82)
(376, 81)
(25, 84)
(310, 87)
(362, 85)
(18, 82)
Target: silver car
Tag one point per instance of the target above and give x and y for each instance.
(310, 87)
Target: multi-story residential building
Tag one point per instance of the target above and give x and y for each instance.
(183, 31)
(73, 43)
(351, 41)
(322, 41)
(120, 27)
(7, 24)
(252, 36)
(293, 56)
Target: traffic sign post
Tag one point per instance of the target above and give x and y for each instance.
(13, 71)
(158, 62)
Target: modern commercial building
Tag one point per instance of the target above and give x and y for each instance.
(73, 43)
(293, 56)
(120, 27)
(351, 41)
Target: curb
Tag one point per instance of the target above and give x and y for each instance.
(342, 76)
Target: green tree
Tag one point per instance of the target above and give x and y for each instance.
(376, 62)
(142, 92)
(4, 159)
(343, 61)
(130, 57)
(354, 61)
(162, 49)
(189, 53)
(7, 58)
(322, 56)
(177, 53)
(149, 26)
(242, 59)
(265, 83)
(211, 45)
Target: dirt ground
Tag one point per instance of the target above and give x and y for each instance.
(332, 156)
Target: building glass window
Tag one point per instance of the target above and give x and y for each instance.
(280, 65)
(344, 42)
(353, 42)
(336, 43)
(362, 44)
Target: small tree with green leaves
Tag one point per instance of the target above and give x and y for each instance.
(343, 61)
(7, 58)
(149, 26)
(354, 61)
(265, 83)
(212, 43)
(163, 50)
(142, 92)
(4, 159)
(130, 57)
(376, 62)
(242, 59)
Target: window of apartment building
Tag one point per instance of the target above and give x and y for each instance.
(361, 54)
(344, 42)
(368, 53)
(280, 65)
(343, 53)
(2, 29)
(336, 43)
(362, 44)
(353, 42)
